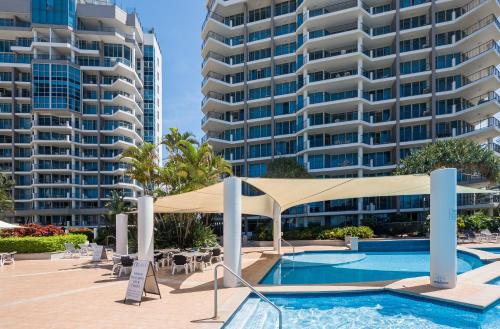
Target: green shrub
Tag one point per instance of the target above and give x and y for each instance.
(83, 230)
(25, 245)
(265, 233)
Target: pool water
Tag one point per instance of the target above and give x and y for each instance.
(495, 282)
(359, 311)
(492, 250)
(344, 267)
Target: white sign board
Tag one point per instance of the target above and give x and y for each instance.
(142, 280)
(99, 253)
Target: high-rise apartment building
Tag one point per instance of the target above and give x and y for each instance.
(80, 81)
(349, 88)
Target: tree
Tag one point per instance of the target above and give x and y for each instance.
(143, 166)
(467, 156)
(286, 168)
(116, 204)
(6, 185)
(174, 137)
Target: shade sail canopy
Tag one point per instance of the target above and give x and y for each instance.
(288, 193)
(5, 226)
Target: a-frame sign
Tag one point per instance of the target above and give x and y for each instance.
(142, 280)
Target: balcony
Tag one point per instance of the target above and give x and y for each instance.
(445, 39)
(332, 8)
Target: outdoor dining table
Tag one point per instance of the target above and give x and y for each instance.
(192, 255)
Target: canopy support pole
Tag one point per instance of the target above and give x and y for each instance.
(145, 226)
(232, 230)
(443, 235)
(122, 234)
(277, 227)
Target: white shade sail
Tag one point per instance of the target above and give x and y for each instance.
(293, 192)
(4, 225)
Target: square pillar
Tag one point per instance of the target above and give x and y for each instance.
(443, 233)
(232, 230)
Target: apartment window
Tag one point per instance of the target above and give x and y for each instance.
(259, 54)
(445, 106)
(259, 73)
(449, 83)
(285, 7)
(259, 112)
(285, 49)
(285, 68)
(259, 131)
(409, 3)
(285, 108)
(258, 93)
(286, 88)
(257, 169)
(415, 66)
(413, 44)
(58, 12)
(413, 133)
(285, 128)
(259, 150)
(259, 14)
(234, 20)
(447, 15)
(411, 111)
(285, 29)
(413, 22)
(448, 60)
(259, 35)
(285, 147)
(413, 88)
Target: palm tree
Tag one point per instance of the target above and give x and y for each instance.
(144, 164)
(116, 204)
(174, 137)
(6, 185)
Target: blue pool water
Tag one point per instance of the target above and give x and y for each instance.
(492, 250)
(495, 282)
(359, 311)
(343, 267)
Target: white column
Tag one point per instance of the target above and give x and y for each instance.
(145, 226)
(122, 234)
(232, 230)
(443, 233)
(277, 227)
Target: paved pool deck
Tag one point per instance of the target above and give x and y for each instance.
(76, 293)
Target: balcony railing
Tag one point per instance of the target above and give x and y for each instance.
(489, 71)
(333, 8)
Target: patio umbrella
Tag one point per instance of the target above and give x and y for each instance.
(5, 225)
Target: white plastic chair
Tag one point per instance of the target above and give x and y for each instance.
(70, 250)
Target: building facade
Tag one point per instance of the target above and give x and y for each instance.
(349, 88)
(76, 77)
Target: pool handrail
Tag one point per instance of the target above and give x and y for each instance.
(248, 285)
(291, 245)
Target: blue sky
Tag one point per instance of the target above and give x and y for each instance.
(178, 29)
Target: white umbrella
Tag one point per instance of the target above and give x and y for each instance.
(5, 225)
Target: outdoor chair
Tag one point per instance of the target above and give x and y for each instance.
(216, 255)
(157, 260)
(92, 246)
(117, 264)
(463, 238)
(180, 261)
(204, 261)
(487, 236)
(126, 265)
(70, 250)
(84, 249)
(8, 258)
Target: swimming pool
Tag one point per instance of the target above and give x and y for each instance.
(326, 267)
(492, 250)
(495, 282)
(359, 310)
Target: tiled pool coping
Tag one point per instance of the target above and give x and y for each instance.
(472, 290)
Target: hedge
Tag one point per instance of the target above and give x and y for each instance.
(264, 233)
(40, 244)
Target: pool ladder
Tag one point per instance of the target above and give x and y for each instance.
(291, 245)
(261, 296)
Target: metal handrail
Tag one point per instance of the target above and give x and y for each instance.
(248, 285)
(291, 245)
